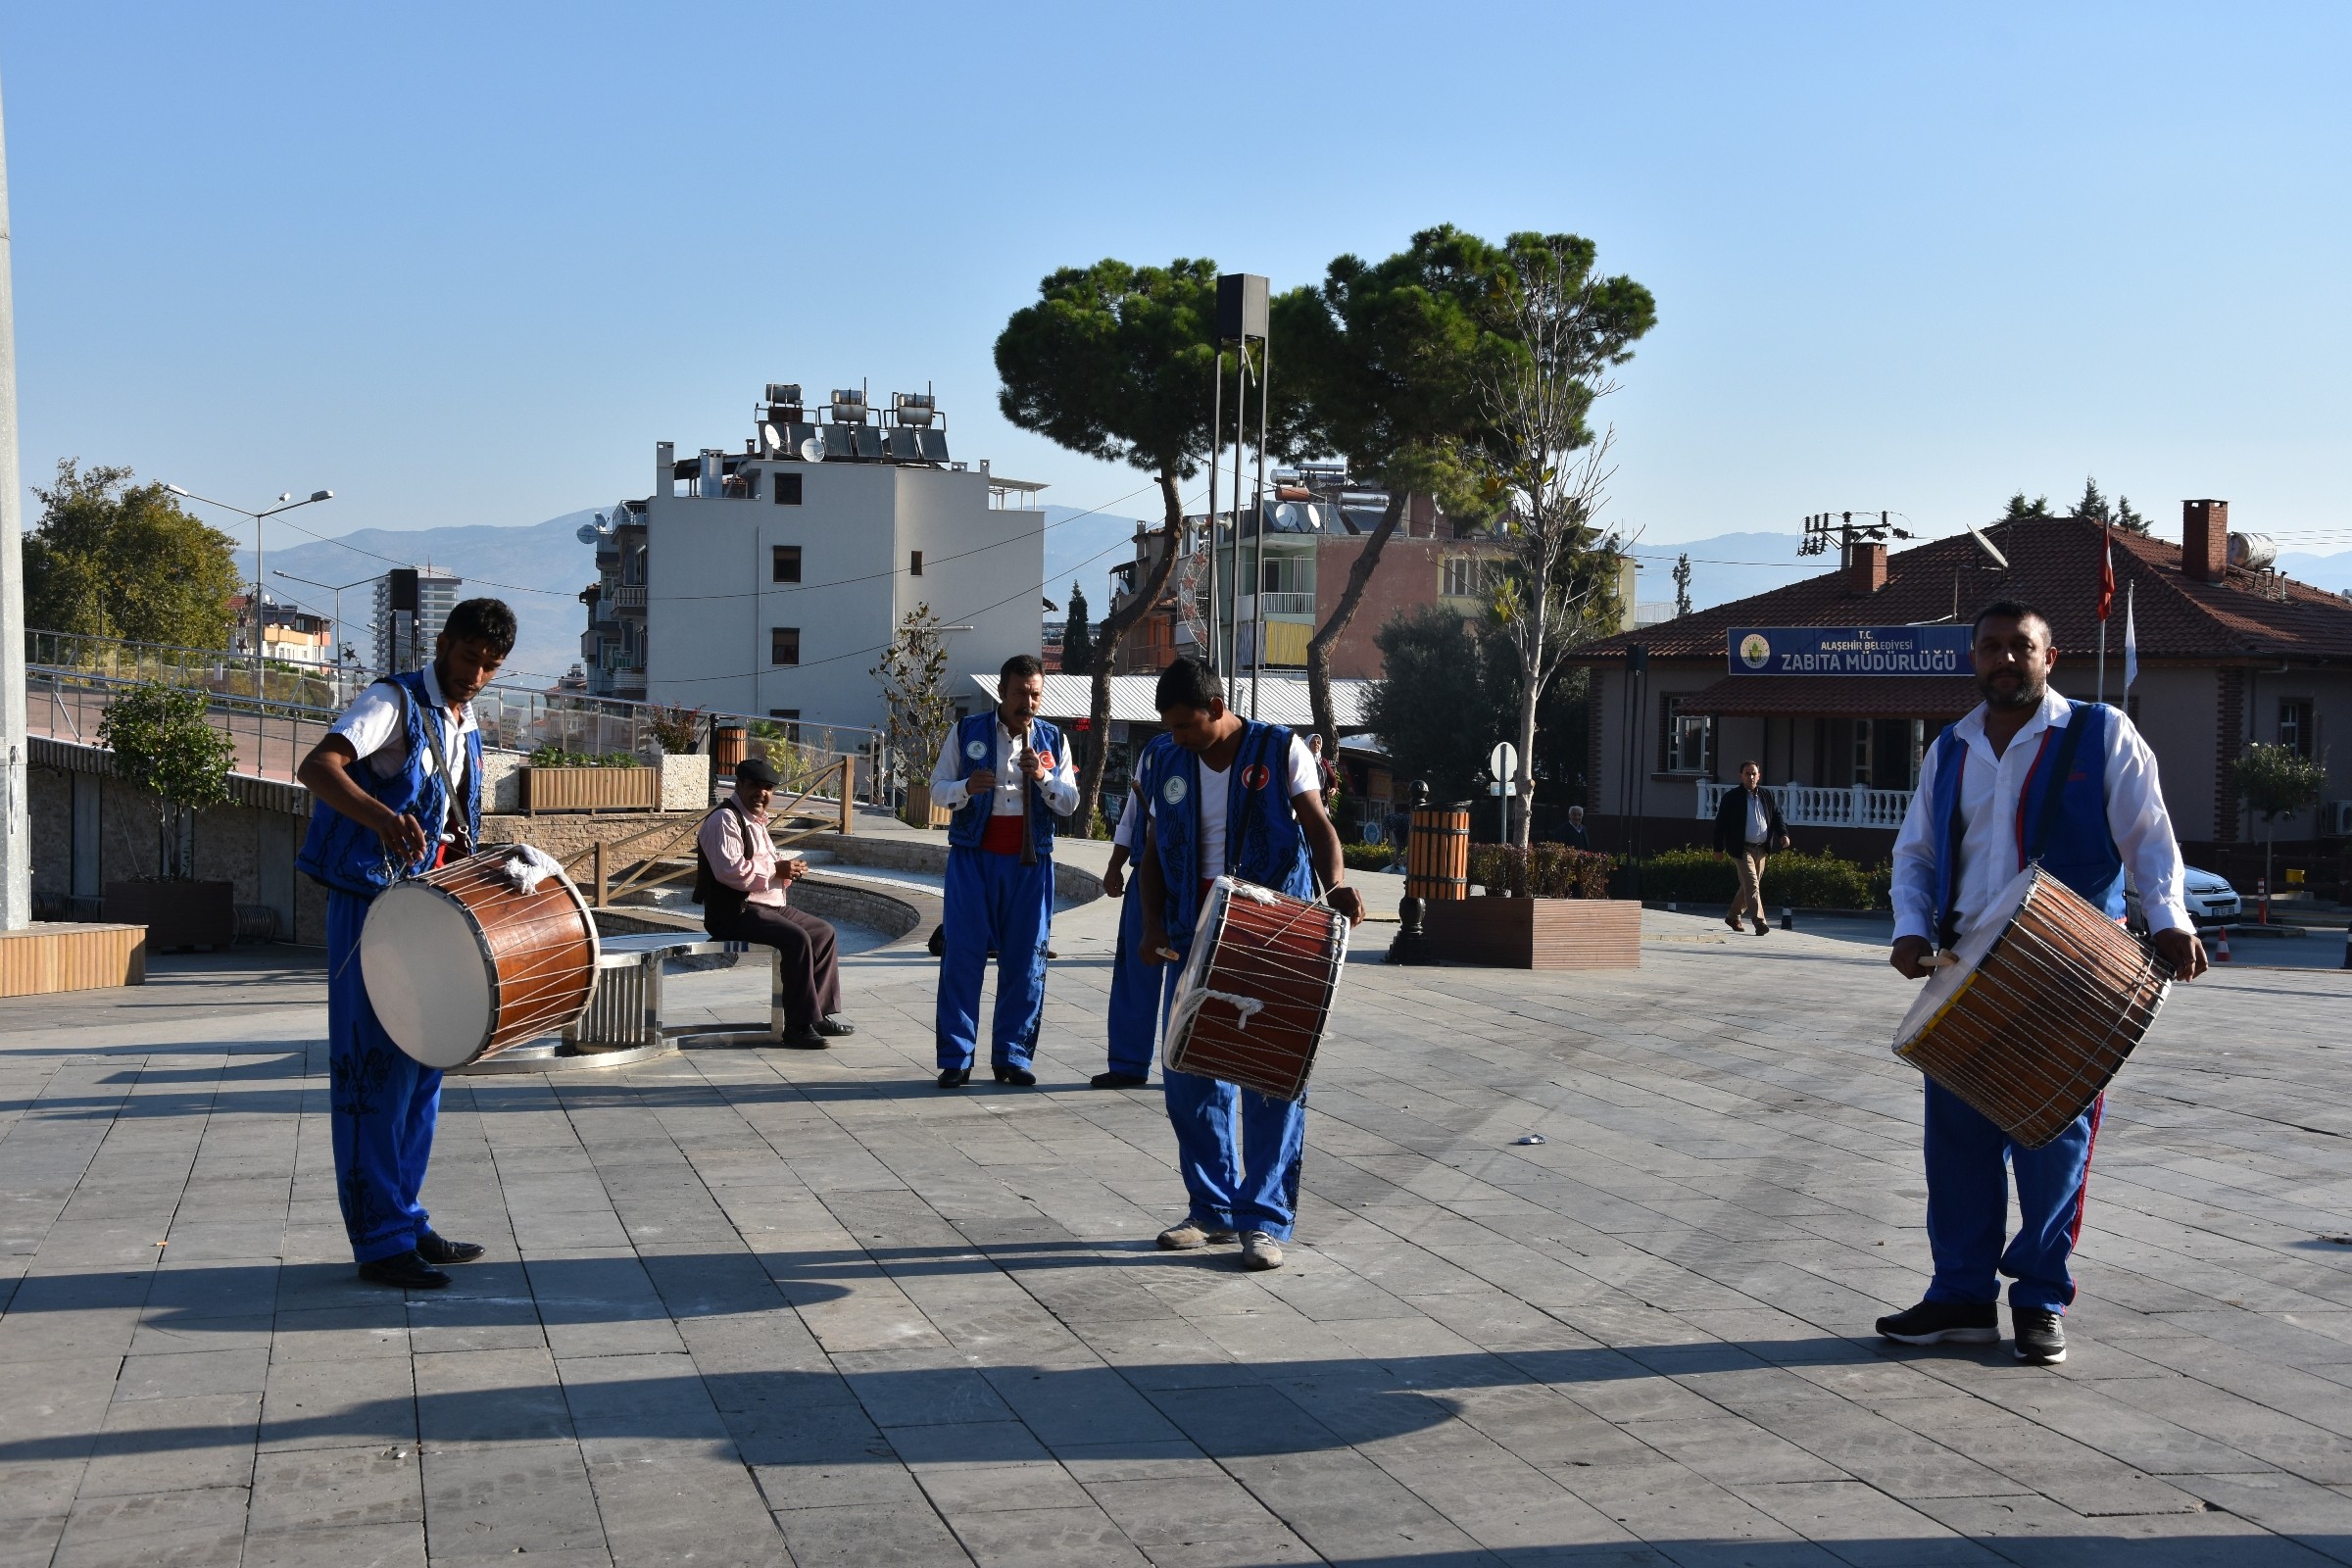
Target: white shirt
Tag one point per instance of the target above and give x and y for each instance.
(372, 724)
(1215, 788)
(1759, 821)
(1989, 850)
(1122, 836)
(1059, 786)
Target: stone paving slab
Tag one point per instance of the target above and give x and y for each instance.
(768, 1307)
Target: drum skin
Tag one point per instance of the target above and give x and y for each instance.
(460, 965)
(1256, 991)
(2046, 1002)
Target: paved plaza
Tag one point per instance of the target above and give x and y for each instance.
(760, 1308)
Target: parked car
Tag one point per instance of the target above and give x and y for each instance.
(2211, 900)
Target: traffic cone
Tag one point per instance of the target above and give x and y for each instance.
(2220, 943)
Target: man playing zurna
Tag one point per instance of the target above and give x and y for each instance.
(740, 881)
(2028, 773)
(1005, 775)
(398, 789)
(1229, 795)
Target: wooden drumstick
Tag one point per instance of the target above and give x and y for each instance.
(1937, 960)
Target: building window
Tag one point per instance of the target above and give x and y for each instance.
(1686, 740)
(784, 645)
(784, 564)
(788, 490)
(2294, 725)
(914, 563)
(1465, 578)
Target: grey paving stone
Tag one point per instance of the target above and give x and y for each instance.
(400, 1546)
(337, 1490)
(857, 1536)
(488, 1500)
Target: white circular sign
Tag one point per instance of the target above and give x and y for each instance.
(1503, 760)
(1754, 651)
(1172, 791)
(977, 751)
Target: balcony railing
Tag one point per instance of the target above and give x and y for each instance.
(1814, 805)
(628, 597)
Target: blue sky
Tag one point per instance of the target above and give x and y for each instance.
(466, 265)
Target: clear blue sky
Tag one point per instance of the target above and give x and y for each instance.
(466, 263)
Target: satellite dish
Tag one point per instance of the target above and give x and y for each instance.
(768, 438)
(1985, 545)
(586, 534)
(812, 449)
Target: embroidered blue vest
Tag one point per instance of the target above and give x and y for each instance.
(975, 749)
(1263, 842)
(351, 859)
(2078, 846)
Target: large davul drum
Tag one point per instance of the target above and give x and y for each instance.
(1256, 989)
(461, 963)
(2043, 1004)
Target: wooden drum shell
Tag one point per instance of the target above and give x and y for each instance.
(538, 951)
(1284, 954)
(2036, 1029)
(1436, 856)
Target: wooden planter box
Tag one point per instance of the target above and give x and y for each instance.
(591, 789)
(46, 959)
(177, 914)
(1538, 933)
(918, 811)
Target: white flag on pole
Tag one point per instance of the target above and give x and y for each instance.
(2131, 642)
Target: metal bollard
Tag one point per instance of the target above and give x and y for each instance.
(2348, 946)
(1787, 919)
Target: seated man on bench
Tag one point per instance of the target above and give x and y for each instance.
(739, 880)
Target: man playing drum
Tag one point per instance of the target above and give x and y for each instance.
(741, 882)
(1005, 775)
(397, 785)
(2026, 760)
(1229, 795)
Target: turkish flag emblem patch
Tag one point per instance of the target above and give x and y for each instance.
(1255, 776)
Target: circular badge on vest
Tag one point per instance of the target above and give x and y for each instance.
(977, 751)
(1255, 776)
(1172, 791)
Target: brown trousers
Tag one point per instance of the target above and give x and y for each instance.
(807, 963)
(1751, 886)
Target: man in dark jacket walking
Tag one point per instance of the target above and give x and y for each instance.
(1748, 827)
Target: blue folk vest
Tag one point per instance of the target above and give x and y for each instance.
(976, 748)
(351, 859)
(1263, 842)
(2061, 819)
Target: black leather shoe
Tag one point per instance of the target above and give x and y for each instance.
(805, 1038)
(404, 1269)
(1117, 1080)
(954, 1077)
(1019, 1077)
(1944, 1323)
(939, 942)
(441, 1252)
(834, 1025)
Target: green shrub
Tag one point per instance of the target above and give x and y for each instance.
(557, 757)
(1542, 870)
(1799, 881)
(1366, 857)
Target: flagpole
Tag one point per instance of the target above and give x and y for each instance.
(2102, 660)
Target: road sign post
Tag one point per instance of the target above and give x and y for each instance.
(1503, 764)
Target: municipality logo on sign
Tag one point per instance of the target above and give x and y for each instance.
(977, 751)
(1172, 791)
(1755, 650)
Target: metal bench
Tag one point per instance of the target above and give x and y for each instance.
(623, 1024)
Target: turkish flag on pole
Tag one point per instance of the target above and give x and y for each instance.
(2106, 569)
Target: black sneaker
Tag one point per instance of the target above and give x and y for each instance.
(2040, 1336)
(1019, 1077)
(441, 1252)
(1118, 1080)
(1944, 1323)
(406, 1270)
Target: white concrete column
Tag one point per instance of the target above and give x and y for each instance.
(16, 838)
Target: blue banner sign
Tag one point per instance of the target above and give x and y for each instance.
(1849, 650)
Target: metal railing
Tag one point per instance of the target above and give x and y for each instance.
(1815, 806)
(648, 858)
(271, 737)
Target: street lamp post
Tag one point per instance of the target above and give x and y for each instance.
(261, 613)
(335, 588)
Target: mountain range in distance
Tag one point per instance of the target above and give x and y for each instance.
(541, 567)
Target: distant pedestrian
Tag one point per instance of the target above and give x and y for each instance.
(1327, 777)
(1747, 828)
(1576, 834)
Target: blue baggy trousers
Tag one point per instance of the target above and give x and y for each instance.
(993, 900)
(1969, 1166)
(384, 1103)
(1135, 988)
(1240, 1152)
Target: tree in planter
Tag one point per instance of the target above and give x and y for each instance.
(163, 744)
(913, 674)
(1118, 362)
(1545, 469)
(2277, 781)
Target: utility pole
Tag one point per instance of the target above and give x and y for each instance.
(16, 837)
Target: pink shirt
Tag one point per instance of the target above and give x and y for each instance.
(750, 867)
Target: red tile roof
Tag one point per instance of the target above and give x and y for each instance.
(2054, 565)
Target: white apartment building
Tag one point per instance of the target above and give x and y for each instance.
(767, 581)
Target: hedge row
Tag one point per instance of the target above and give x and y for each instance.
(1542, 870)
(1800, 881)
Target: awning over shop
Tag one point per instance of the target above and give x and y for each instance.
(1837, 696)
